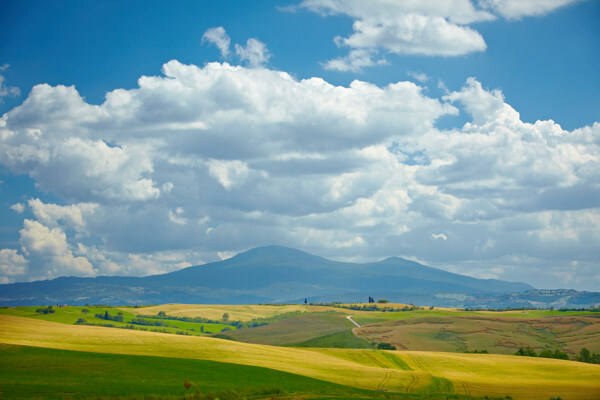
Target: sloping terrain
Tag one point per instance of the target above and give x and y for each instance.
(294, 331)
(412, 372)
(265, 275)
(243, 312)
(496, 334)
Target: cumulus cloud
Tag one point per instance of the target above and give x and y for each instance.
(216, 159)
(219, 38)
(255, 53)
(11, 264)
(429, 28)
(51, 252)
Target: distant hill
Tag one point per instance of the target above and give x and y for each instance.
(273, 274)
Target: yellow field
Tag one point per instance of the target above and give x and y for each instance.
(215, 312)
(475, 374)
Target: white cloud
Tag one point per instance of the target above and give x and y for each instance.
(228, 173)
(415, 34)
(7, 90)
(515, 9)
(354, 61)
(51, 253)
(255, 53)
(222, 158)
(430, 28)
(19, 208)
(72, 215)
(219, 38)
(11, 264)
(439, 236)
(419, 76)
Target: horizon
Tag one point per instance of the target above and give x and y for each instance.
(138, 140)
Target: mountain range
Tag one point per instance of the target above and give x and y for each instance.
(276, 274)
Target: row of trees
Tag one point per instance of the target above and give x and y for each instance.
(585, 355)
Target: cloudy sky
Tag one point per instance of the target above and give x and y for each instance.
(142, 137)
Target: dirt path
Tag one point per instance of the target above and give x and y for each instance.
(353, 321)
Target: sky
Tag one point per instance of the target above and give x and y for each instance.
(142, 137)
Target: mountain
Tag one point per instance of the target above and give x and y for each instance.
(267, 275)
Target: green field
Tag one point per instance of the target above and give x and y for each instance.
(395, 372)
(71, 314)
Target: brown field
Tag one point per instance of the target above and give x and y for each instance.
(500, 335)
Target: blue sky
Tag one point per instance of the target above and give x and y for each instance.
(463, 134)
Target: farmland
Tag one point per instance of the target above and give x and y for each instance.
(496, 334)
(394, 371)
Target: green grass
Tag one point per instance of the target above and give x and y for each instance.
(341, 340)
(70, 314)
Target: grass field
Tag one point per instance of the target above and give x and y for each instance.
(70, 315)
(496, 334)
(215, 312)
(413, 372)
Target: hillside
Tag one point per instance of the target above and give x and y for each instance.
(267, 275)
(403, 372)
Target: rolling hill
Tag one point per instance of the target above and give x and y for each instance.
(267, 275)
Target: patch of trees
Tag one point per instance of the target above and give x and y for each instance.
(108, 317)
(385, 346)
(588, 357)
(47, 310)
(546, 353)
(370, 307)
(477, 351)
(148, 322)
(382, 301)
(590, 309)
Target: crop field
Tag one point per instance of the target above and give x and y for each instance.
(34, 372)
(215, 312)
(394, 371)
(501, 335)
(302, 331)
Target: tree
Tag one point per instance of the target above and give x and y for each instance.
(547, 353)
(162, 314)
(305, 300)
(584, 355)
(561, 355)
(371, 300)
(382, 301)
(225, 318)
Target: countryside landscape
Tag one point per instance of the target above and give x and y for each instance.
(335, 350)
(299, 200)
